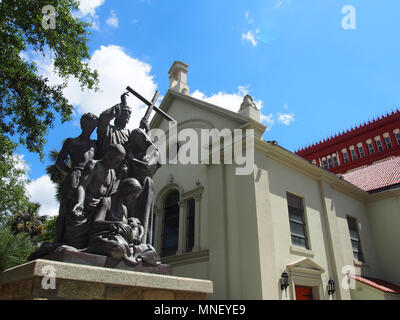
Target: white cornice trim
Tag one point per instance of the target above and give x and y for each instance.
(186, 258)
(391, 193)
(301, 165)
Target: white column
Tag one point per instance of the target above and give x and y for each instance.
(196, 246)
(333, 235)
(158, 229)
(182, 219)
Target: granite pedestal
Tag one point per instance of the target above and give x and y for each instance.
(47, 279)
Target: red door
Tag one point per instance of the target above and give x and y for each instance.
(303, 293)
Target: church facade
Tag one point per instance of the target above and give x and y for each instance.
(288, 230)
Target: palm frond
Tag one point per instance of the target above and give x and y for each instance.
(55, 174)
(14, 248)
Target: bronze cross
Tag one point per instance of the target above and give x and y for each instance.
(151, 105)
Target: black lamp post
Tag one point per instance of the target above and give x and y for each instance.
(284, 280)
(331, 287)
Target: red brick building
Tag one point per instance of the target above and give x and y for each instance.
(359, 147)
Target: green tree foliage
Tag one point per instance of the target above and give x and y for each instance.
(50, 233)
(13, 183)
(14, 248)
(28, 102)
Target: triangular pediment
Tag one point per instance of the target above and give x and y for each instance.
(184, 108)
(305, 264)
(216, 111)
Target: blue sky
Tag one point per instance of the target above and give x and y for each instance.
(312, 77)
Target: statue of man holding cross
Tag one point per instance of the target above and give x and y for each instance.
(142, 157)
(143, 160)
(108, 134)
(121, 154)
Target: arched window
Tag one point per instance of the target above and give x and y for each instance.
(170, 232)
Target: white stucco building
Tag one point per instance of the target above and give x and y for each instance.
(289, 215)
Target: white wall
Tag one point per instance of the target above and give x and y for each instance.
(281, 180)
(244, 222)
(384, 216)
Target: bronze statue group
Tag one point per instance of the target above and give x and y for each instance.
(106, 205)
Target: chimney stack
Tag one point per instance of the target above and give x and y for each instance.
(178, 77)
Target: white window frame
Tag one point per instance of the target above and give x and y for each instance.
(370, 146)
(305, 222)
(344, 152)
(336, 161)
(396, 133)
(378, 139)
(353, 153)
(359, 238)
(330, 162)
(361, 151)
(386, 137)
(324, 163)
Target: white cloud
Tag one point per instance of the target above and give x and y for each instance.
(251, 37)
(113, 20)
(230, 101)
(249, 19)
(286, 118)
(24, 55)
(268, 119)
(279, 3)
(87, 12)
(95, 23)
(116, 70)
(20, 163)
(88, 7)
(43, 191)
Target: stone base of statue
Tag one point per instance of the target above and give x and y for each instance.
(48, 279)
(107, 262)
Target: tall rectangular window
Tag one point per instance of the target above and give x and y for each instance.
(190, 225)
(335, 161)
(379, 145)
(355, 239)
(324, 164)
(388, 142)
(353, 154)
(345, 157)
(371, 148)
(297, 221)
(361, 152)
(397, 135)
(170, 233)
(330, 162)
